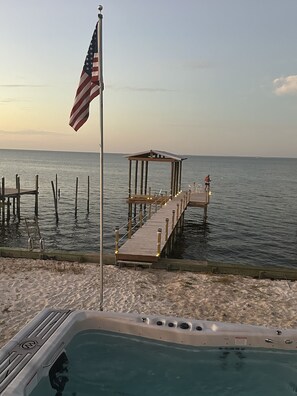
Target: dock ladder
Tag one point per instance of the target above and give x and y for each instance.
(35, 240)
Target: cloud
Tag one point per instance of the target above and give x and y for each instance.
(20, 86)
(7, 100)
(141, 89)
(285, 85)
(31, 133)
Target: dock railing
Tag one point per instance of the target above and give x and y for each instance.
(126, 231)
(167, 226)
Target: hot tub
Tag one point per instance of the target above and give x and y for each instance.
(67, 353)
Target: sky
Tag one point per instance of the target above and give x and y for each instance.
(200, 77)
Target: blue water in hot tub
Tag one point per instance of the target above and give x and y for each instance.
(100, 363)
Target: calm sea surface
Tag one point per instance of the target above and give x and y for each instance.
(251, 218)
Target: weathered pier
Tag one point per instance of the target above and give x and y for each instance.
(156, 235)
(12, 196)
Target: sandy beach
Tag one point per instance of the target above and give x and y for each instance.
(28, 286)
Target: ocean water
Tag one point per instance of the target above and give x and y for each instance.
(251, 217)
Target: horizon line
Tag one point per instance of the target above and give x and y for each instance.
(125, 153)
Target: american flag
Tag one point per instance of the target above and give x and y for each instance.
(89, 85)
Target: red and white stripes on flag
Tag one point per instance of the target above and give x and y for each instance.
(89, 85)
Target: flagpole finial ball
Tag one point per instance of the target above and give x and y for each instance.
(100, 8)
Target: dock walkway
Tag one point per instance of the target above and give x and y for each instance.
(14, 192)
(9, 193)
(148, 242)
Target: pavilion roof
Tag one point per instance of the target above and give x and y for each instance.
(155, 155)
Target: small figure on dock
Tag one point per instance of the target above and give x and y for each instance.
(207, 181)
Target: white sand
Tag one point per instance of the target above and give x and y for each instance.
(28, 286)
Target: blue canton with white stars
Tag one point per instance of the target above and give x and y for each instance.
(93, 48)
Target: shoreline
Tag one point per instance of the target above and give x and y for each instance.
(280, 272)
(27, 286)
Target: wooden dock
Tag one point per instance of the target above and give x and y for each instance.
(8, 194)
(199, 199)
(157, 234)
(13, 193)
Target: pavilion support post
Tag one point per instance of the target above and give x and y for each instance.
(136, 176)
(171, 185)
(180, 174)
(146, 177)
(173, 180)
(141, 177)
(176, 177)
(130, 170)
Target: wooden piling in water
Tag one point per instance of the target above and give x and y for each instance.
(36, 195)
(55, 201)
(159, 236)
(129, 228)
(88, 196)
(8, 210)
(57, 188)
(12, 197)
(18, 186)
(3, 199)
(117, 238)
(76, 194)
(166, 228)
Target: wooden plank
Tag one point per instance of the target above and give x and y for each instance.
(11, 192)
(143, 244)
(199, 199)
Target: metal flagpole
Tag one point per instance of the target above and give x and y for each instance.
(100, 17)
